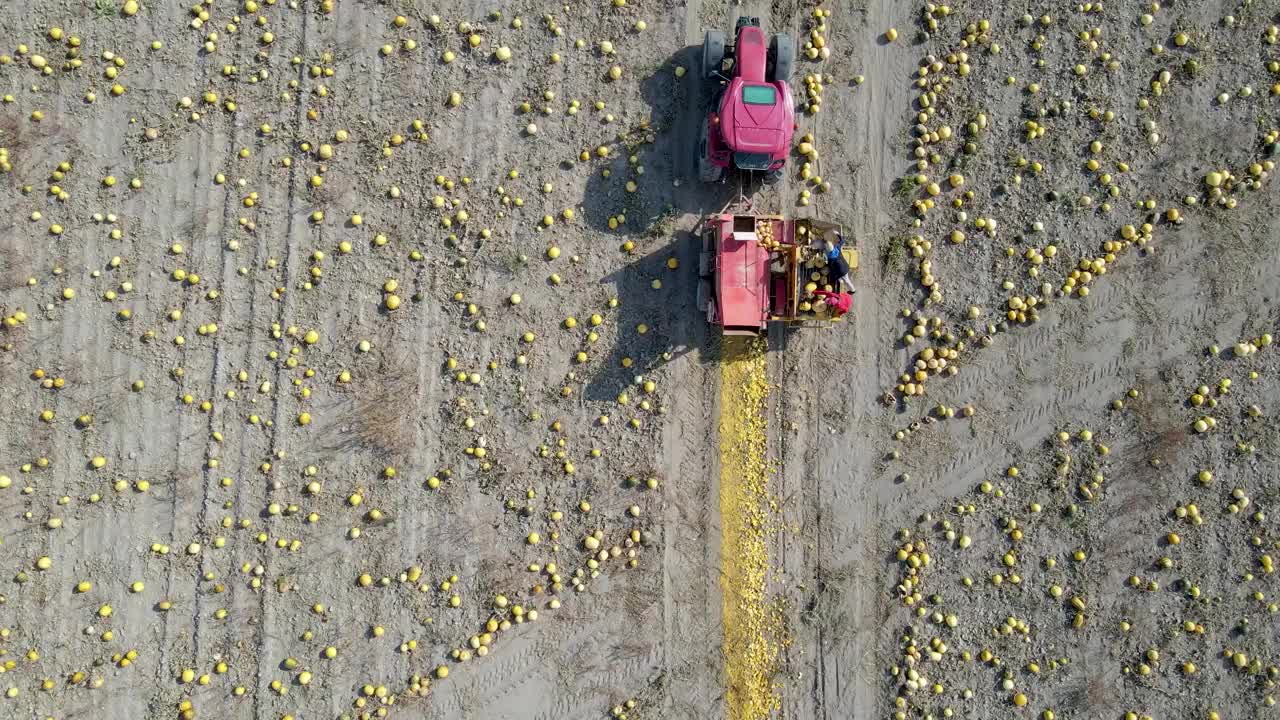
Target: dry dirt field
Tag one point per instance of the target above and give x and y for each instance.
(351, 367)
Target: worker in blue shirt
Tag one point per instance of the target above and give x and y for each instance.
(837, 266)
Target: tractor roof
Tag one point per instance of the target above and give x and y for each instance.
(757, 117)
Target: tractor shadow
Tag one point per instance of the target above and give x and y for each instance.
(659, 218)
(664, 142)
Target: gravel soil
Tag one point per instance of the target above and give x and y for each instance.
(343, 378)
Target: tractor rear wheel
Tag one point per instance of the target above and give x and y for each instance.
(782, 58)
(708, 172)
(704, 295)
(712, 52)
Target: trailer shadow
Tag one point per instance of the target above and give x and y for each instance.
(656, 322)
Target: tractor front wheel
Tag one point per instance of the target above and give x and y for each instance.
(782, 58)
(712, 53)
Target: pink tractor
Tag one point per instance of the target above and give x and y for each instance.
(752, 114)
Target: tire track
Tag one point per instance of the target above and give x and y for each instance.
(1100, 378)
(848, 505)
(265, 639)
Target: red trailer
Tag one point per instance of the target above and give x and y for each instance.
(761, 268)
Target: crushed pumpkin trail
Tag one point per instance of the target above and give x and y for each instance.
(752, 623)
